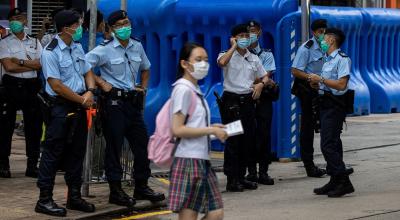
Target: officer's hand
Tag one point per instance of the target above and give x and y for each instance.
(257, 90)
(140, 90)
(15, 60)
(220, 133)
(233, 42)
(315, 78)
(88, 100)
(106, 87)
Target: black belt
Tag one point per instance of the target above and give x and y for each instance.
(7, 79)
(115, 93)
(242, 98)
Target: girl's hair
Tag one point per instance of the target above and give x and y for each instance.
(184, 54)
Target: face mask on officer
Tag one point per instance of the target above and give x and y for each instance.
(77, 35)
(325, 45)
(16, 26)
(200, 70)
(253, 38)
(243, 43)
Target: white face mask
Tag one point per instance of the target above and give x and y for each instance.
(200, 70)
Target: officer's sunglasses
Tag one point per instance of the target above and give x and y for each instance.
(121, 24)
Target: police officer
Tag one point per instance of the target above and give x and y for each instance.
(333, 86)
(263, 111)
(46, 33)
(309, 59)
(69, 91)
(120, 61)
(19, 55)
(240, 68)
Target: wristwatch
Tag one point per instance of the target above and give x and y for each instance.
(322, 80)
(92, 90)
(21, 62)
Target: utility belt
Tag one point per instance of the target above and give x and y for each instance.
(240, 99)
(302, 89)
(345, 101)
(115, 94)
(232, 105)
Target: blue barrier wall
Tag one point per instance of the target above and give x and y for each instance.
(372, 44)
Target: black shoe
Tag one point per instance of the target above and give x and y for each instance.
(46, 205)
(5, 168)
(314, 171)
(253, 177)
(118, 196)
(349, 171)
(248, 184)
(75, 201)
(327, 187)
(265, 179)
(146, 193)
(31, 168)
(233, 185)
(342, 188)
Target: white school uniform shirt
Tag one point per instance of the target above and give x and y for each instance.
(28, 48)
(180, 102)
(241, 72)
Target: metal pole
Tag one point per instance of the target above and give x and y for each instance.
(87, 166)
(305, 20)
(123, 5)
(29, 10)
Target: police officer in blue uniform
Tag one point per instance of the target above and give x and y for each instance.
(263, 111)
(309, 59)
(240, 69)
(333, 89)
(19, 55)
(69, 91)
(120, 61)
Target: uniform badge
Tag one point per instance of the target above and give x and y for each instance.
(114, 102)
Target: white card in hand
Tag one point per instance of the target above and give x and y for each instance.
(233, 129)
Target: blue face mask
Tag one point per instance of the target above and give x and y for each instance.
(243, 43)
(253, 38)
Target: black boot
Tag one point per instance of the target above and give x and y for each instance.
(233, 185)
(118, 196)
(31, 168)
(75, 201)
(144, 192)
(327, 187)
(314, 171)
(46, 205)
(265, 179)
(5, 168)
(248, 184)
(349, 171)
(342, 188)
(252, 176)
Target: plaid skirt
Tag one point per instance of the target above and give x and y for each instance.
(193, 185)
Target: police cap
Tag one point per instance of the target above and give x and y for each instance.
(116, 16)
(238, 29)
(66, 18)
(253, 23)
(319, 23)
(15, 12)
(340, 36)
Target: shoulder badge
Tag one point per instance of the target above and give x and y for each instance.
(341, 53)
(309, 44)
(53, 44)
(105, 42)
(136, 39)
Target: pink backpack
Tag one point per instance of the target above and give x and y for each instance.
(162, 144)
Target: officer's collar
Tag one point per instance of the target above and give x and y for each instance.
(257, 49)
(26, 37)
(316, 44)
(247, 54)
(334, 53)
(62, 44)
(116, 43)
(189, 84)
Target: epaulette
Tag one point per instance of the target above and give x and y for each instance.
(341, 53)
(105, 42)
(6, 36)
(309, 44)
(53, 44)
(223, 51)
(136, 39)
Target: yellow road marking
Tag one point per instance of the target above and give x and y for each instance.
(165, 181)
(150, 214)
(217, 155)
